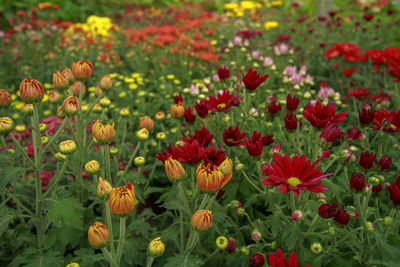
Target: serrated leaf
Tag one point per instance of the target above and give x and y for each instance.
(65, 211)
(187, 260)
(87, 258)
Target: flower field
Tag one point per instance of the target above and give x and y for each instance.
(200, 133)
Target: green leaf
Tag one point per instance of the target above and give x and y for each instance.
(87, 258)
(188, 260)
(65, 211)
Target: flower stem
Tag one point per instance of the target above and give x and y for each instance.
(122, 222)
(57, 179)
(182, 195)
(129, 163)
(21, 150)
(109, 226)
(109, 257)
(192, 241)
(203, 202)
(150, 262)
(251, 183)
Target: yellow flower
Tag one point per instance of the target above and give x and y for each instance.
(104, 133)
(270, 25)
(231, 6)
(156, 247)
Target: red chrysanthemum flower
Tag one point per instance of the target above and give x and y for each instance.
(223, 72)
(294, 174)
(203, 136)
(319, 116)
(202, 108)
(252, 79)
(394, 191)
(257, 260)
(190, 153)
(280, 261)
(367, 159)
(292, 102)
(385, 162)
(389, 121)
(327, 211)
(233, 137)
(329, 134)
(366, 114)
(357, 181)
(221, 102)
(254, 145)
(342, 217)
(189, 115)
(213, 157)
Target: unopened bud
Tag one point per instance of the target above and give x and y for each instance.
(316, 248)
(255, 235)
(60, 156)
(139, 161)
(161, 136)
(297, 215)
(142, 134)
(92, 167)
(221, 242)
(388, 221)
(67, 146)
(369, 227)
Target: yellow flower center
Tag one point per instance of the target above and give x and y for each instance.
(293, 181)
(222, 105)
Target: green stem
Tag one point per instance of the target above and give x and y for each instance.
(129, 163)
(109, 226)
(150, 262)
(312, 225)
(181, 231)
(19, 203)
(192, 241)
(122, 222)
(21, 150)
(85, 114)
(203, 202)
(54, 184)
(109, 257)
(183, 197)
(251, 183)
(107, 162)
(55, 136)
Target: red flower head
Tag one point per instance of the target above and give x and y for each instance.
(357, 182)
(359, 93)
(319, 116)
(366, 114)
(254, 145)
(368, 17)
(267, 139)
(329, 134)
(252, 79)
(202, 108)
(221, 102)
(294, 174)
(223, 72)
(190, 153)
(348, 72)
(327, 211)
(178, 99)
(189, 115)
(231, 246)
(163, 156)
(367, 159)
(389, 121)
(394, 191)
(280, 261)
(203, 136)
(233, 137)
(257, 260)
(213, 157)
(274, 108)
(385, 162)
(342, 217)
(377, 189)
(355, 133)
(292, 102)
(291, 122)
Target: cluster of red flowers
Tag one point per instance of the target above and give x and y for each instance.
(328, 211)
(277, 260)
(382, 119)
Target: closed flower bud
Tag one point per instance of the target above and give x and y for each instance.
(239, 167)
(146, 122)
(201, 220)
(70, 106)
(257, 260)
(142, 134)
(60, 82)
(231, 246)
(124, 112)
(342, 217)
(6, 125)
(20, 128)
(92, 167)
(274, 245)
(160, 115)
(177, 110)
(104, 133)
(244, 250)
(105, 102)
(106, 83)
(98, 91)
(27, 109)
(381, 178)
(103, 189)
(97, 109)
(332, 231)
(373, 180)
(77, 87)
(139, 161)
(316, 248)
(114, 151)
(369, 227)
(60, 156)
(82, 69)
(60, 112)
(357, 182)
(31, 91)
(387, 221)
(67, 147)
(42, 127)
(44, 140)
(174, 170)
(156, 247)
(255, 235)
(240, 211)
(68, 75)
(54, 96)
(122, 200)
(297, 215)
(5, 98)
(73, 264)
(226, 167)
(211, 179)
(161, 136)
(221, 242)
(236, 204)
(98, 235)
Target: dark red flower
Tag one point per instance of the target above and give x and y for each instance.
(368, 17)
(384, 163)
(190, 153)
(257, 260)
(377, 189)
(254, 145)
(213, 157)
(389, 121)
(366, 114)
(291, 122)
(202, 108)
(178, 98)
(342, 217)
(163, 156)
(359, 93)
(332, 13)
(329, 134)
(355, 133)
(189, 115)
(280, 261)
(327, 211)
(348, 72)
(231, 246)
(394, 191)
(367, 159)
(325, 154)
(252, 79)
(357, 182)
(294, 174)
(233, 137)
(267, 139)
(203, 136)
(319, 116)
(221, 102)
(292, 102)
(223, 72)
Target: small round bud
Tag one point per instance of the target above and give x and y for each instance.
(27, 109)
(161, 136)
(221, 242)
(73, 264)
(68, 75)
(142, 134)
(54, 96)
(67, 146)
(124, 112)
(373, 180)
(177, 110)
(139, 161)
(82, 70)
(106, 83)
(105, 102)
(245, 250)
(104, 133)
(11, 151)
(174, 170)
(274, 245)
(70, 106)
(92, 167)
(6, 125)
(239, 167)
(98, 235)
(44, 139)
(97, 109)
(256, 235)
(60, 82)
(20, 128)
(201, 220)
(381, 178)
(160, 115)
(42, 127)
(5, 98)
(156, 247)
(31, 91)
(332, 231)
(60, 156)
(316, 248)
(113, 151)
(297, 215)
(146, 122)
(240, 211)
(103, 189)
(387, 221)
(369, 227)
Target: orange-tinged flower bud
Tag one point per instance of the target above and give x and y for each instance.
(146, 122)
(5, 98)
(60, 82)
(103, 189)
(177, 110)
(6, 125)
(27, 109)
(98, 235)
(106, 83)
(211, 179)
(77, 86)
(54, 96)
(226, 167)
(174, 170)
(31, 91)
(122, 200)
(160, 115)
(98, 91)
(68, 75)
(201, 220)
(82, 69)
(104, 133)
(60, 112)
(67, 146)
(124, 112)
(70, 106)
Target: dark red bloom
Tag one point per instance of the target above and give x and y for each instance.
(291, 122)
(348, 72)
(394, 191)
(342, 217)
(367, 159)
(357, 182)
(267, 139)
(327, 211)
(377, 189)
(203, 136)
(252, 79)
(294, 174)
(280, 261)
(329, 133)
(233, 137)
(384, 163)
(163, 156)
(213, 157)
(355, 133)
(325, 154)
(359, 93)
(257, 260)
(190, 153)
(292, 102)
(223, 72)
(202, 108)
(220, 102)
(319, 116)
(231, 246)
(254, 145)
(332, 13)
(368, 17)
(366, 114)
(189, 115)
(178, 99)
(274, 108)
(390, 121)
